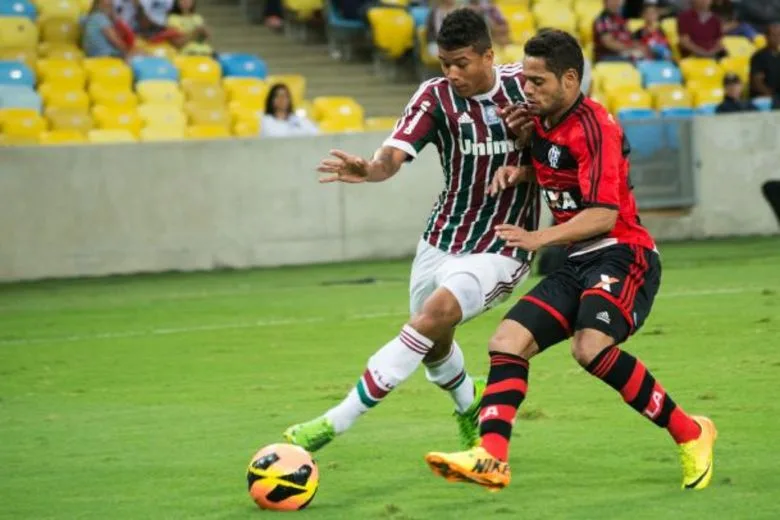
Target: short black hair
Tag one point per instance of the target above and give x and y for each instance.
(464, 27)
(558, 49)
(269, 101)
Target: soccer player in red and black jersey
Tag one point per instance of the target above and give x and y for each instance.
(604, 291)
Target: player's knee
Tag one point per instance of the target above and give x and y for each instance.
(517, 342)
(587, 344)
(440, 313)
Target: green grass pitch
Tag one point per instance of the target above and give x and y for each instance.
(144, 397)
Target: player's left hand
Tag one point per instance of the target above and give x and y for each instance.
(515, 236)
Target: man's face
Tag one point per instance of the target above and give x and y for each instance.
(543, 89)
(466, 69)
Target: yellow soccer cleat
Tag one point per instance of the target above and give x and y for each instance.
(696, 456)
(475, 465)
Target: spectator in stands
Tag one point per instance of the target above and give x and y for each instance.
(765, 68)
(435, 18)
(732, 26)
(105, 34)
(733, 100)
(272, 15)
(499, 27)
(127, 11)
(634, 8)
(701, 33)
(613, 40)
(651, 36)
(280, 119)
(152, 23)
(192, 27)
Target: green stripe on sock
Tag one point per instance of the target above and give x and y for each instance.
(457, 383)
(364, 395)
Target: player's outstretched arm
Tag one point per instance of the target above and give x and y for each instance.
(589, 223)
(344, 167)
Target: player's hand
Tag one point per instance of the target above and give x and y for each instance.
(344, 168)
(519, 120)
(506, 177)
(515, 236)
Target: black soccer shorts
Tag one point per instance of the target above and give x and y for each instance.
(610, 290)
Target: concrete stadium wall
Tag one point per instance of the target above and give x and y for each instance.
(88, 211)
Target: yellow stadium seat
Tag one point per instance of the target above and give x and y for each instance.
(588, 10)
(518, 17)
(20, 127)
(69, 119)
(377, 124)
(611, 76)
(54, 95)
(60, 51)
(523, 3)
(162, 115)
(670, 96)
(295, 82)
(344, 109)
(85, 5)
(110, 95)
(426, 58)
(704, 71)
(303, 9)
(17, 32)
(26, 56)
(739, 65)
(60, 30)
(108, 136)
(634, 24)
(161, 50)
(246, 128)
(511, 53)
(117, 118)
(760, 41)
(340, 126)
(240, 112)
(60, 137)
(207, 132)
(392, 31)
(629, 98)
(198, 68)
(62, 9)
(108, 72)
(738, 46)
(247, 91)
(206, 115)
(305, 109)
(162, 133)
(16, 113)
(706, 95)
(551, 15)
(204, 94)
(63, 73)
(159, 92)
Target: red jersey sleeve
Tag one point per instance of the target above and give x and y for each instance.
(599, 156)
(417, 125)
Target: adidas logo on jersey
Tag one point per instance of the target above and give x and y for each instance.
(488, 147)
(465, 119)
(603, 316)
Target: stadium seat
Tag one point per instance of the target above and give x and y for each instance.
(162, 50)
(69, 119)
(422, 49)
(669, 27)
(659, 72)
(147, 68)
(343, 109)
(340, 126)
(759, 41)
(392, 31)
(108, 136)
(518, 17)
(61, 137)
(611, 76)
(19, 97)
(634, 24)
(764, 104)
(738, 46)
(117, 118)
(550, 14)
(302, 10)
(204, 94)
(644, 131)
(59, 9)
(68, 97)
(26, 56)
(247, 91)
(376, 124)
(705, 71)
(305, 109)
(707, 94)
(246, 127)
(207, 132)
(295, 82)
(207, 115)
(20, 8)
(17, 32)
(112, 95)
(162, 133)
(16, 73)
(419, 14)
(60, 30)
(198, 68)
(707, 109)
(21, 126)
(629, 98)
(62, 73)
(60, 51)
(511, 53)
(162, 115)
(160, 92)
(586, 12)
(670, 96)
(672, 117)
(108, 72)
(739, 65)
(242, 66)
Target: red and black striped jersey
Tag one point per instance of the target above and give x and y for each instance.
(582, 162)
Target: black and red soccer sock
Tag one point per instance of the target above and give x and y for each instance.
(643, 393)
(506, 388)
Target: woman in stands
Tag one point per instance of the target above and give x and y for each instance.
(280, 119)
(105, 34)
(191, 25)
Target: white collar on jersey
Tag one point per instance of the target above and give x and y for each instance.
(493, 91)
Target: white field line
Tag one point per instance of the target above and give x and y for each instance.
(281, 322)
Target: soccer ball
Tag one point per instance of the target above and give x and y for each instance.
(282, 477)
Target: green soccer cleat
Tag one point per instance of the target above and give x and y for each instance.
(468, 421)
(311, 435)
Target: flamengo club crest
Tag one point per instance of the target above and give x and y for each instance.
(553, 156)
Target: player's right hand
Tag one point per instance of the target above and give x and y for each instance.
(506, 177)
(519, 120)
(344, 168)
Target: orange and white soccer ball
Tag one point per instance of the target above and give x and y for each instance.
(282, 477)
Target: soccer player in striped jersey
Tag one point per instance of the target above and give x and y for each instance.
(603, 292)
(462, 267)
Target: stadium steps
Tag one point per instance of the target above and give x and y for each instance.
(232, 32)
